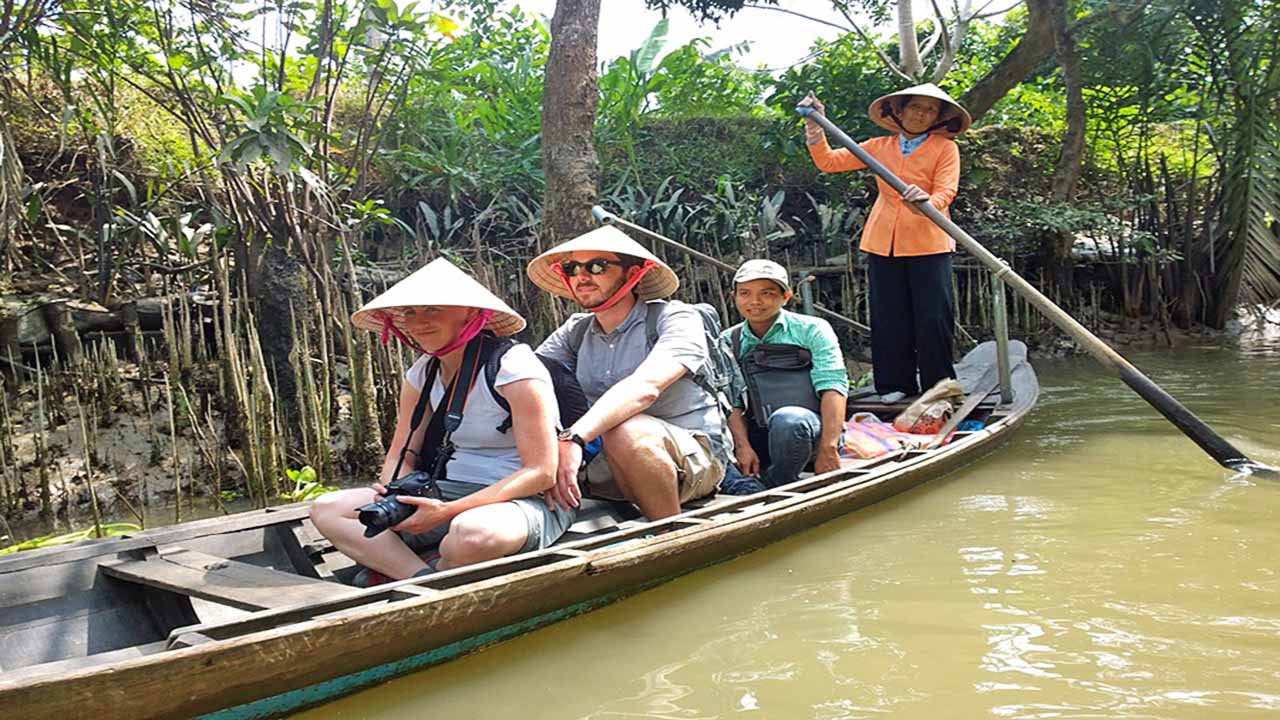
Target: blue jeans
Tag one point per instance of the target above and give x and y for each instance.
(785, 449)
(792, 439)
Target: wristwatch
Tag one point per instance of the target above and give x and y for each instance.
(566, 435)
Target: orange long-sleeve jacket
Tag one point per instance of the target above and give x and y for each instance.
(893, 229)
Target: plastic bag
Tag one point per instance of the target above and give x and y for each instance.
(937, 402)
(929, 421)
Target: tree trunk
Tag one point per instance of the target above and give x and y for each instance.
(283, 290)
(11, 182)
(1034, 46)
(1067, 173)
(67, 339)
(908, 45)
(568, 122)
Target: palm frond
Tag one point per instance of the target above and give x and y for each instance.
(1247, 232)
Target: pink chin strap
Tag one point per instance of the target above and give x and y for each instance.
(635, 275)
(468, 331)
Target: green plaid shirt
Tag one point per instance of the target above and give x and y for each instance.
(790, 328)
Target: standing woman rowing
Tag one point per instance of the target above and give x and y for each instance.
(908, 257)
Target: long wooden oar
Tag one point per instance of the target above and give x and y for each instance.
(1193, 427)
(604, 216)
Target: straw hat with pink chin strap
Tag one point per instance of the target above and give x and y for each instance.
(438, 283)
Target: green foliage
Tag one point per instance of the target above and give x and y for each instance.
(692, 81)
(471, 122)
(428, 138)
(305, 485)
(846, 75)
(710, 10)
(267, 123)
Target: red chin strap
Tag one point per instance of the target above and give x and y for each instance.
(469, 331)
(389, 328)
(634, 276)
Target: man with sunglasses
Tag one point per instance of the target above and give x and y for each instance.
(637, 357)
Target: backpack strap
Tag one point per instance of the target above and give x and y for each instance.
(735, 346)
(492, 366)
(578, 335)
(455, 397)
(653, 310)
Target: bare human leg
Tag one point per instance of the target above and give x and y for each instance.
(639, 453)
(334, 515)
(483, 533)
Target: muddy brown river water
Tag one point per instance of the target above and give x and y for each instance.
(1097, 566)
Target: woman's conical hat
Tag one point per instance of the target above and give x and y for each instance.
(659, 282)
(884, 114)
(439, 282)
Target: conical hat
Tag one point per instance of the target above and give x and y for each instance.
(884, 114)
(439, 282)
(659, 282)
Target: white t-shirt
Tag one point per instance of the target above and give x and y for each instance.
(483, 455)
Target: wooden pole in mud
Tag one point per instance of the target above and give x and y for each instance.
(1175, 412)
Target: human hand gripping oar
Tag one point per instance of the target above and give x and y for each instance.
(1193, 427)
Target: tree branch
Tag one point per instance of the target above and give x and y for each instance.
(785, 11)
(884, 59)
(981, 13)
(939, 32)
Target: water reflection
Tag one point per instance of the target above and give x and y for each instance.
(1099, 566)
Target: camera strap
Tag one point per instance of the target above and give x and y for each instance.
(435, 441)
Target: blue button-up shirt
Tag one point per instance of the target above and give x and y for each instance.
(906, 145)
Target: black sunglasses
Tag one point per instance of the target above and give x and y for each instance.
(594, 266)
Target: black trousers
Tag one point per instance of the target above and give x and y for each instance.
(912, 321)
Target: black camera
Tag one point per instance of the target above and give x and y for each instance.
(389, 512)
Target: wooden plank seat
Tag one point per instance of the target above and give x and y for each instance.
(230, 582)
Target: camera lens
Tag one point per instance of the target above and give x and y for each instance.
(385, 513)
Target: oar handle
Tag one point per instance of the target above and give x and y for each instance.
(1186, 421)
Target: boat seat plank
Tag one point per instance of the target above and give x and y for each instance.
(230, 582)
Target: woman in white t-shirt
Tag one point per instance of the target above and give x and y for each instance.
(491, 504)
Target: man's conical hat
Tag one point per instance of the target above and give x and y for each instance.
(884, 114)
(437, 283)
(659, 282)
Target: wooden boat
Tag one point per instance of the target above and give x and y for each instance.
(241, 616)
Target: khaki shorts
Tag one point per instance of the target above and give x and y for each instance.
(698, 470)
